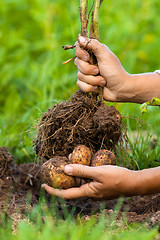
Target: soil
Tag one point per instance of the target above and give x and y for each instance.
(82, 120)
(17, 181)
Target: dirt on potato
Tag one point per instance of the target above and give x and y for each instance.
(103, 157)
(81, 155)
(82, 120)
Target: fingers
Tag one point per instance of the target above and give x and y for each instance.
(85, 67)
(82, 54)
(70, 193)
(92, 80)
(85, 87)
(82, 171)
(86, 190)
(94, 45)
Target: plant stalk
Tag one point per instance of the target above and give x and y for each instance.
(95, 19)
(94, 33)
(83, 16)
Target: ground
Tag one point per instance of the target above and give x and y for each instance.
(16, 182)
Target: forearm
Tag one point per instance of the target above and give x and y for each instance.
(144, 182)
(142, 87)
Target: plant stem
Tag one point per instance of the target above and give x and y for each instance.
(94, 33)
(83, 15)
(95, 19)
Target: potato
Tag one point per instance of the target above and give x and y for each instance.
(81, 155)
(53, 175)
(103, 157)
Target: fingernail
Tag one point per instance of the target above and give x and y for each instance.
(43, 185)
(84, 58)
(95, 71)
(82, 39)
(103, 83)
(68, 170)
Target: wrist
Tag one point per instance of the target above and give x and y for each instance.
(133, 183)
(143, 182)
(125, 92)
(140, 88)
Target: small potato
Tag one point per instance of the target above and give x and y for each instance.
(53, 175)
(81, 155)
(103, 157)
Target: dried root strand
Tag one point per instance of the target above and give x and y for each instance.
(69, 60)
(67, 47)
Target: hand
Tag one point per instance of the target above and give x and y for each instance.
(112, 76)
(119, 86)
(108, 182)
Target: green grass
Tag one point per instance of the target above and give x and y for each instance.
(43, 223)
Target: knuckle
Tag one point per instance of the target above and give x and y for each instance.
(75, 61)
(77, 50)
(76, 43)
(91, 191)
(79, 75)
(94, 41)
(78, 83)
(80, 171)
(105, 47)
(87, 70)
(87, 190)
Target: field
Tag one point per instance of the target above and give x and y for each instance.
(32, 79)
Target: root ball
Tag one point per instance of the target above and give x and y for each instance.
(81, 120)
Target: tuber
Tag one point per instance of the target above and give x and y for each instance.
(81, 155)
(103, 157)
(53, 174)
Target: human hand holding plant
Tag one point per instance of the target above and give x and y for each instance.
(112, 75)
(119, 85)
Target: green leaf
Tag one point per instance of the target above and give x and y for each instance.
(154, 102)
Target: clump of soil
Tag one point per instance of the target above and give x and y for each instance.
(80, 120)
(15, 183)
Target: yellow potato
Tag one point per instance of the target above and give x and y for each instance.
(103, 157)
(53, 174)
(81, 155)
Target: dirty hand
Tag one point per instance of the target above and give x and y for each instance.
(112, 75)
(119, 86)
(108, 182)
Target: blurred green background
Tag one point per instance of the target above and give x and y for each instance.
(32, 77)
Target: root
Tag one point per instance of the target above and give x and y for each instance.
(80, 120)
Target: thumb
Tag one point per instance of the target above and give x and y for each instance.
(94, 45)
(81, 171)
